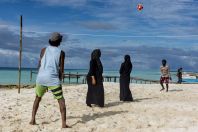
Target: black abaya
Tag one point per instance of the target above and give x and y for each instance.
(95, 93)
(125, 93)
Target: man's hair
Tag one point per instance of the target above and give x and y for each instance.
(164, 62)
(55, 43)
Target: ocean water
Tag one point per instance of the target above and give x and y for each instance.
(190, 80)
(10, 75)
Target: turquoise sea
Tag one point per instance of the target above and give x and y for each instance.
(10, 75)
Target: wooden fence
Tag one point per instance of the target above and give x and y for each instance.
(77, 78)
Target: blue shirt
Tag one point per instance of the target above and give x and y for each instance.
(48, 74)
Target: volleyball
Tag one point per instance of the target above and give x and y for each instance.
(139, 7)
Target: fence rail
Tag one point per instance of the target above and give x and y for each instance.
(81, 78)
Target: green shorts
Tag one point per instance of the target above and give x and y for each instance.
(56, 91)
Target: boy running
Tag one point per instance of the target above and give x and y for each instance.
(51, 71)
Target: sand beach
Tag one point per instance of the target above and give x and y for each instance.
(151, 111)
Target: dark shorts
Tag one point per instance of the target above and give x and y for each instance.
(164, 80)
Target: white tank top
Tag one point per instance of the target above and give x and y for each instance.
(164, 71)
(48, 74)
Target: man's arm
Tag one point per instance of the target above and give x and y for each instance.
(62, 61)
(41, 56)
(169, 73)
(161, 69)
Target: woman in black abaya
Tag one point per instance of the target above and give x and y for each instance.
(95, 93)
(125, 71)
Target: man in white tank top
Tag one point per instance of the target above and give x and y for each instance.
(51, 71)
(165, 75)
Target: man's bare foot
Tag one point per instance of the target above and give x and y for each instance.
(162, 89)
(32, 122)
(66, 126)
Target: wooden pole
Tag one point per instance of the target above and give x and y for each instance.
(83, 81)
(69, 77)
(77, 77)
(31, 75)
(20, 53)
(63, 78)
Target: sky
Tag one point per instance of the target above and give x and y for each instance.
(164, 29)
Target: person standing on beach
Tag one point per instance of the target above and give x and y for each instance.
(179, 75)
(165, 75)
(125, 71)
(95, 93)
(51, 71)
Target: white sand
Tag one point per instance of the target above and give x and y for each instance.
(152, 110)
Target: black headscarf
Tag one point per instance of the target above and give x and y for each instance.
(95, 55)
(127, 61)
(126, 66)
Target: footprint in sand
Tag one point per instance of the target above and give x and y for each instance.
(10, 117)
(10, 108)
(45, 122)
(18, 105)
(3, 118)
(55, 120)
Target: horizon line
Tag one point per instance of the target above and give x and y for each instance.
(119, 36)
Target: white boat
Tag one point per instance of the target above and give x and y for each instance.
(189, 76)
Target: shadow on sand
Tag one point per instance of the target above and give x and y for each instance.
(111, 104)
(175, 90)
(141, 99)
(87, 118)
(122, 102)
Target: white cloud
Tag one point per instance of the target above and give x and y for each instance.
(96, 25)
(5, 52)
(72, 3)
(9, 58)
(5, 25)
